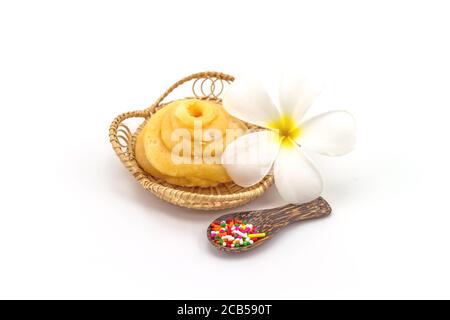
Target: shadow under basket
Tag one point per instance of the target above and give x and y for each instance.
(204, 85)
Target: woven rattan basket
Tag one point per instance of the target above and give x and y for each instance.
(204, 85)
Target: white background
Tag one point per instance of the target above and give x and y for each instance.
(75, 224)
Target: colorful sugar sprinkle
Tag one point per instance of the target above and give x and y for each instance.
(234, 233)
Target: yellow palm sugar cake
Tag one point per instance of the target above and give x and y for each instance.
(206, 129)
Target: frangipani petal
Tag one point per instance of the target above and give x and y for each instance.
(247, 100)
(297, 94)
(249, 158)
(331, 133)
(296, 178)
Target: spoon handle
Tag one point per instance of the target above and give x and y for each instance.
(315, 209)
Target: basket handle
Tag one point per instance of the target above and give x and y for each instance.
(120, 135)
(199, 75)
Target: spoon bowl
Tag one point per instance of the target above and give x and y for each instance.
(270, 221)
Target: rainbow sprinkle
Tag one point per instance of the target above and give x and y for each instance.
(234, 233)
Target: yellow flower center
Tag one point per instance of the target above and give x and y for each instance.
(287, 129)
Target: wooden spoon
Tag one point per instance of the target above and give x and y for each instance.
(270, 221)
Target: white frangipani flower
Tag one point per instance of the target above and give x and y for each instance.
(251, 157)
